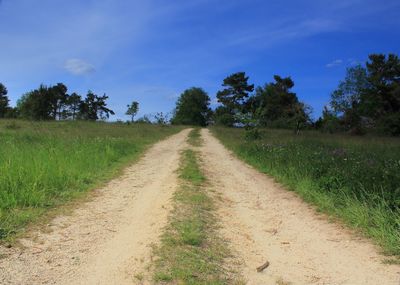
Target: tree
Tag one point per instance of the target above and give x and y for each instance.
(274, 105)
(73, 102)
(94, 107)
(237, 90)
(58, 98)
(3, 101)
(192, 108)
(36, 104)
(133, 109)
(348, 93)
(382, 99)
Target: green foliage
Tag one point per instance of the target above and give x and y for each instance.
(237, 90)
(274, 105)
(192, 108)
(133, 109)
(94, 107)
(43, 165)
(369, 98)
(223, 116)
(348, 93)
(356, 179)
(3, 101)
(51, 103)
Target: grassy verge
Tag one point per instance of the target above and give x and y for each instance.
(46, 164)
(354, 179)
(191, 251)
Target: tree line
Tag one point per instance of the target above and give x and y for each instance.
(367, 100)
(54, 103)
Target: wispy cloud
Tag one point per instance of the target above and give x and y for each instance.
(334, 63)
(78, 66)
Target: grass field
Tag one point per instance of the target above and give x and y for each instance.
(45, 164)
(354, 178)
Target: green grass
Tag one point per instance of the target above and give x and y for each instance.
(194, 137)
(46, 164)
(356, 179)
(191, 251)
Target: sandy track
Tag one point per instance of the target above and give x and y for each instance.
(106, 240)
(265, 222)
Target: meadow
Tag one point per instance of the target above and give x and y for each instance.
(355, 179)
(45, 164)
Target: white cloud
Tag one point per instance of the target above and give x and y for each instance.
(78, 66)
(334, 63)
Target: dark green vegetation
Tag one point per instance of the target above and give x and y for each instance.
(54, 103)
(43, 165)
(190, 250)
(368, 99)
(192, 108)
(355, 179)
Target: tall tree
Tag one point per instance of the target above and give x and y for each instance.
(94, 107)
(3, 101)
(133, 109)
(36, 104)
(236, 91)
(73, 102)
(348, 93)
(277, 106)
(383, 96)
(58, 98)
(192, 108)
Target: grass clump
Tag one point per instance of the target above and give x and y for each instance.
(355, 179)
(46, 164)
(194, 137)
(191, 251)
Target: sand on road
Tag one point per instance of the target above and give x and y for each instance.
(108, 239)
(263, 221)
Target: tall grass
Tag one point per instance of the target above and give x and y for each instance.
(355, 179)
(45, 164)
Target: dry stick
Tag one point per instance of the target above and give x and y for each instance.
(262, 267)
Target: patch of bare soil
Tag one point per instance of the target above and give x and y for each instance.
(108, 239)
(264, 222)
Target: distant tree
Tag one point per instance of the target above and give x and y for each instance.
(381, 102)
(161, 119)
(369, 98)
(224, 116)
(133, 109)
(94, 107)
(3, 101)
(329, 122)
(236, 92)
(348, 93)
(58, 98)
(73, 102)
(275, 105)
(36, 104)
(192, 108)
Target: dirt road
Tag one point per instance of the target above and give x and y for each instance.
(265, 222)
(108, 239)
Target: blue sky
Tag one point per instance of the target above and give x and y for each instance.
(150, 51)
